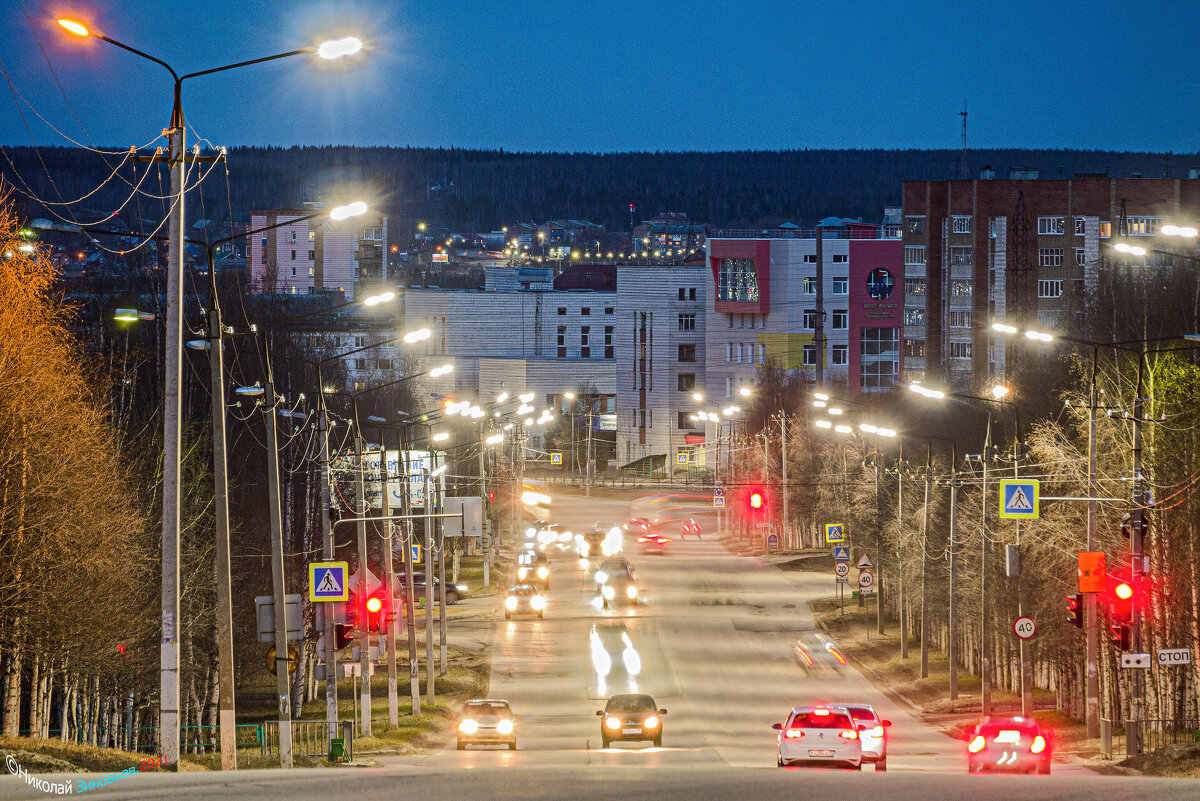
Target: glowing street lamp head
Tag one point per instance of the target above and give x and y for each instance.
(502, 397)
(1004, 328)
(418, 335)
(441, 437)
(696, 396)
(337, 48)
(526, 397)
(745, 392)
(1039, 336)
(999, 391)
(382, 297)
(74, 27)
(440, 371)
(823, 424)
(820, 396)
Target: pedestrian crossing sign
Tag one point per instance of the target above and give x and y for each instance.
(682, 458)
(556, 458)
(1020, 498)
(834, 532)
(327, 581)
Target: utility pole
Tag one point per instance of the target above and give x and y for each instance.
(327, 554)
(364, 573)
(1092, 661)
(483, 493)
(228, 718)
(878, 548)
(429, 688)
(925, 565)
(172, 412)
(587, 484)
(985, 688)
(952, 650)
(282, 683)
(900, 539)
(1137, 527)
(783, 480)
(410, 618)
(1026, 667)
(819, 328)
(389, 582)
(441, 541)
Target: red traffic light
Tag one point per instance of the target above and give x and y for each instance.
(756, 500)
(374, 604)
(491, 496)
(1123, 591)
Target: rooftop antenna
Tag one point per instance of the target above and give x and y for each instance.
(962, 159)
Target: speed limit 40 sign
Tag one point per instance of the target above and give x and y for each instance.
(1024, 627)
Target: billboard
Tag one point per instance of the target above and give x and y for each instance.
(345, 469)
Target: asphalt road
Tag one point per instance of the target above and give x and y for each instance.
(710, 640)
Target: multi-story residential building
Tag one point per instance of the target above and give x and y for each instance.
(761, 290)
(1025, 249)
(660, 348)
(317, 255)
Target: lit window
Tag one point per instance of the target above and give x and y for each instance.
(810, 286)
(737, 280)
(1051, 226)
(961, 289)
(914, 286)
(960, 350)
(961, 257)
(1080, 226)
(960, 319)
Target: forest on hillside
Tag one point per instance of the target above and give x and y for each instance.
(483, 189)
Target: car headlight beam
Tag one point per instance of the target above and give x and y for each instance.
(510, 603)
(505, 726)
(468, 726)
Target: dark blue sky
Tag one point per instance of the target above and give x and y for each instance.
(622, 74)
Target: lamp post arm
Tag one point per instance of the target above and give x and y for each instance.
(137, 52)
(227, 67)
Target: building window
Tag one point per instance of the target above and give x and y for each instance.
(762, 353)
(609, 350)
(1080, 226)
(682, 420)
(1050, 288)
(729, 353)
(1051, 226)
(293, 272)
(1050, 257)
(810, 319)
(960, 319)
(729, 317)
(687, 353)
(385, 364)
(914, 256)
(961, 225)
(840, 355)
(737, 280)
(310, 271)
(562, 310)
(810, 355)
(585, 335)
(293, 233)
(687, 322)
(841, 258)
(360, 364)
(687, 382)
(585, 311)
(682, 293)
(1049, 319)
(914, 224)
(562, 342)
(810, 286)
(264, 241)
(879, 362)
(740, 351)
(1143, 226)
(608, 309)
(961, 257)
(841, 319)
(312, 255)
(1080, 257)
(728, 387)
(691, 293)
(312, 236)
(841, 285)
(914, 316)
(960, 350)
(810, 258)
(293, 255)
(961, 289)
(914, 286)
(914, 348)
(1105, 230)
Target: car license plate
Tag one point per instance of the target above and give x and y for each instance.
(631, 730)
(820, 752)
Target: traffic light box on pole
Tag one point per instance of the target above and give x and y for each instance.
(1075, 610)
(1120, 614)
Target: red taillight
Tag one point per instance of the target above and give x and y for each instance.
(807, 658)
(1039, 745)
(792, 734)
(663, 540)
(837, 655)
(977, 744)
(820, 712)
(642, 539)
(849, 734)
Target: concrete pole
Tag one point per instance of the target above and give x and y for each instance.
(410, 615)
(327, 554)
(899, 542)
(587, 483)
(1092, 661)
(429, 686)
(389, 581)
(228, 718)
(878, 549)
(440, 526)
(985, 689)
(1022, 649)
(783, 481)
(925, 565)
(282, 683)
(172, 412)
(364, 634)
(483, 493)
(1136, 552)
(952, 650)
(819, 328)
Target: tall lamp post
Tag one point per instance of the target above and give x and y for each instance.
(172, 400)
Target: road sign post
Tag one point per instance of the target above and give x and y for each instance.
(719, 498)
(1024, 627)
(835, 532)
(866, 582)
(1020, 498)
(841, 553)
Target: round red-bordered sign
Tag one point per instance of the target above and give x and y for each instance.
(1024, 627)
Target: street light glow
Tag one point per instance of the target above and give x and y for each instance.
(339, 47)
(821, 396)
(126, 315)
(526, 398)
(74, 27)
(438, 471)
(440, 371)
(999, 391)
(349, 210)
(502, 397)
(869, 428)
(834, 410)
(569, 395)
(886, 432)
(441, 437)
(926, 393)
(1040, 336)
(1004, 328)
(1135, 250)
(843, 429)
(375, 300)
(495, 439)
(820, 404)
(418, 335)
(823, 424)
(745, 392)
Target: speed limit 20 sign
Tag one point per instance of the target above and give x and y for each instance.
(1024, 627)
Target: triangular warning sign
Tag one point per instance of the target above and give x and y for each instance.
(1019, 501)
(865, 563)
(329, 585)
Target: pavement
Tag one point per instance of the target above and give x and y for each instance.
(710, 639)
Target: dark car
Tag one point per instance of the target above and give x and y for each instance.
(533, 567)
(454, 592)
(1009, 744)
(619, 589)
(631, 717)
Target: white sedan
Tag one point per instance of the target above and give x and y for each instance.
(820, 735)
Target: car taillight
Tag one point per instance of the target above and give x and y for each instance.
(807, 658)
(1039, 745)
(849, 734)
(793, 734)
(642, 539)
(977, 744)
(836, 655)
(820, 712)
(877, 731)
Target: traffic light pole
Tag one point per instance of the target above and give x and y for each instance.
(1092, 660)
(327, 553)
(410, 619)
(364, 631)
(1137, 548)
(390, 583)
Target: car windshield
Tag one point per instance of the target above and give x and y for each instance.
(631, 703)
(862, 713)
(523, 589)
(829, 720)
(483, 708)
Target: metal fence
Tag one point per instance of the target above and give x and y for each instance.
(1127, 738)
(309, 738)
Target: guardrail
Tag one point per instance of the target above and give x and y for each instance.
(309, 738)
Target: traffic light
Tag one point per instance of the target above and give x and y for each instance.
(491, 496)
(376, 608)
(1121, 636)
(1075, 610)
(1121, 606)
(757, 499)
(343, 634)
(1131, 525)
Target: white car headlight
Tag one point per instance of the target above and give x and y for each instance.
(609, 592)
(651, 722)
(631, 592)
(505, 726)
(601, 577)
(468, 726)
(511, 602)
(538, 602)
(522, 572)
(543, 571)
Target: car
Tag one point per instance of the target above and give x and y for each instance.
(454, 592)
(619, 589)
(1010, 744)
(533, 567)
(872, 731)
(652, 542)
(817, 652)
(604, 538)
(689, 527)
(612, 567)
(524, 599)
(487, 721)
(631, 716)
(637, 525)
(819, 735)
